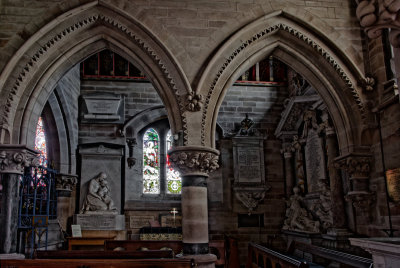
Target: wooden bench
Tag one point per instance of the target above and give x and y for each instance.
(259, 256)
(99, 263)
(97, 254)
(330, 255)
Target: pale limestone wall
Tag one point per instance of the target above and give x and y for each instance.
(191, 30)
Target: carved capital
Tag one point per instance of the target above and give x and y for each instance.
(194, 160)
(15, 158)
(66, 182)
(357, 166)
(375, 15)
(194, 102)
(287, 151)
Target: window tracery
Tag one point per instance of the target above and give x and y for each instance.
(151, 162)
(40, 142)
(174, 181)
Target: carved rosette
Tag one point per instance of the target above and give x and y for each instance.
(15, 158)
(66, 182)
(194, 102)
(376, 15)
(194, 160)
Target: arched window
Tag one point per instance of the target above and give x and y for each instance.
(174, 181)
(151, 162)
(40, 142)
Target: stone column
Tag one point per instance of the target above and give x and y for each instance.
(13, 160)
(65, 185)
(194, 163)
(287, 155)
(335, 181)
(357, 165)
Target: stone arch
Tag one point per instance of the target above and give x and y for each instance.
(318, 60)
(33, 72)
(142, 119)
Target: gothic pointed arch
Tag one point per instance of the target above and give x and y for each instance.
(32, 73)
(308, 52)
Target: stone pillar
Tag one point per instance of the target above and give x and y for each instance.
(13, 160)
(335, 181)
(64, 186)
(357, 165)
(287, 155)
(194, 163)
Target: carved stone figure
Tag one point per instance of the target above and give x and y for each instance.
(98, 199)
(297, 217)
(323, 206)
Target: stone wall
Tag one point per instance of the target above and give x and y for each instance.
(189, 29)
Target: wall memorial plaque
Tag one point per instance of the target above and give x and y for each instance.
(393, 184)
(248, 153)
(100, 222)
(137, 222)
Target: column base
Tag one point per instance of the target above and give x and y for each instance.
(201, 261)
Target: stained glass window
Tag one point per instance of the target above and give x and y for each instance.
(40, 142)
(151, 162)
(174, 181)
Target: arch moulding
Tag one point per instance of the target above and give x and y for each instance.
(316, 58)
(32, 73)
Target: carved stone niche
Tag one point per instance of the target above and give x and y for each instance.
(102, 108)
(249, 171)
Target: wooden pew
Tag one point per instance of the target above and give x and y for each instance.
(100, 254)
(331, 255)
(99, 263)
(133, 245)
(259, 256)
(217, 247)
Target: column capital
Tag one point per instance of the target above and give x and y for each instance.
(194, 160)
(66, 182)
(287, 151)
(14, 158)
(355, 164)
(374, 16)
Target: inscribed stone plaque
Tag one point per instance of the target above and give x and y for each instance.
(393, 184)
(137, 222)
(168, 221)
(248, 156)
(100, 222)
(249, 165)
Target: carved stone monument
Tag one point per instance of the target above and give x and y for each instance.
(249, 170)
(298, 218)
(100, 188)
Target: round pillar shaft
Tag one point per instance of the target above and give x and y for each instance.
(9, 213)
(194, 215)
(288, 174)
(335, 181)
